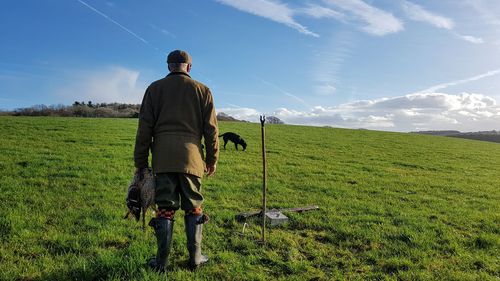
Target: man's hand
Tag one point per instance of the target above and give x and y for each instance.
(139, 172)
(210, 170)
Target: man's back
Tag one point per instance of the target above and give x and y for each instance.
(178, 111)
(179, 102)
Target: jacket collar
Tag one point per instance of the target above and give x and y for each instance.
(178, 73)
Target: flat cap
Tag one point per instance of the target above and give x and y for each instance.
(178, 56)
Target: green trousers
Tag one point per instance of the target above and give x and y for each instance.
(174, 190)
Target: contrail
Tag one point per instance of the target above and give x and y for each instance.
(285, 92)
(115, 22)
(458, 82)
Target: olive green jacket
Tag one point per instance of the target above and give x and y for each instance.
(176, 112)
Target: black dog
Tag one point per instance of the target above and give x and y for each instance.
(236, 139)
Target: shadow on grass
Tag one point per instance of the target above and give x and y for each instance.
(117, 269)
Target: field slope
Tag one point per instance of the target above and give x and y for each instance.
(393, 206)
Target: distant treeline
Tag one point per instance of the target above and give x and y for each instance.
(491, 136)
(80, 109)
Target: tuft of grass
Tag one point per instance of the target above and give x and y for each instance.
(393, 206)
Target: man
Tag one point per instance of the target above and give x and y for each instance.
(176, 112)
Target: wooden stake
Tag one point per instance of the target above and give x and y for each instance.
(264, 177)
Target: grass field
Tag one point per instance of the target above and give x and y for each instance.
(393, 206)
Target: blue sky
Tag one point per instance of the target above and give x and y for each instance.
(392, 65)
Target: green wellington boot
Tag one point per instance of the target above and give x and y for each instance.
(163, 230)
(194, 226)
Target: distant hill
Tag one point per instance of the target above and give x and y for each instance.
(221, 116)
(437, 133)
(491, 136)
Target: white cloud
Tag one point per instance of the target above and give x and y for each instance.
(423, 111)
(417, 13)
(378, 22)
(163, 31)
(319, 12)
(115, 84)
(328, 62)
(325, 89)
(375, 21)
(241, 113)
(471, 39)
(488, 11)
(269, 9)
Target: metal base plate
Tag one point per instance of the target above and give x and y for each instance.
(276, 218)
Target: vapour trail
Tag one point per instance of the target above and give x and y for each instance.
(285, 92)
(126, 29)
(462, 81)
(115, 22)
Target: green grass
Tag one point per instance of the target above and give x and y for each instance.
(393, 206)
